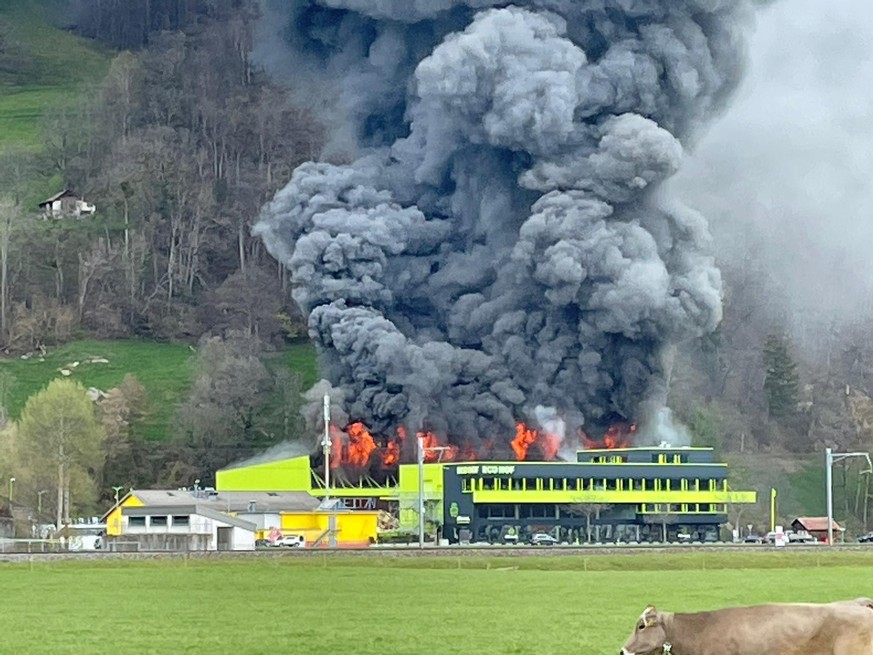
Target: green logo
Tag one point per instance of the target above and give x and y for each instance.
(454, 510)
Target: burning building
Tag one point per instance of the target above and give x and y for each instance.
(605, 495)
(498, 266)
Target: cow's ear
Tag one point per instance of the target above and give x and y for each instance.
(650, 616)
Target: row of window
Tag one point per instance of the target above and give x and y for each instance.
(659, 458)
(470, 484)
(555, 511)
(177, 520)
(682, 508)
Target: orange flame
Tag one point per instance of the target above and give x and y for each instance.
(391, 454)
(355, 446)
(361, 445)
(526, 437)
(618, 435)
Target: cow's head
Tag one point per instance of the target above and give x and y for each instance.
(648, 636)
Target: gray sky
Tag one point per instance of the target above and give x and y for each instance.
(786, 171)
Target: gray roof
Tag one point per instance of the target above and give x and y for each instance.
(231, 501)
(213, 513)
(58, 196)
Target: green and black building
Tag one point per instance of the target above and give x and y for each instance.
(629, 494)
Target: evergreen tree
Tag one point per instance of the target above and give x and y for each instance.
(781, 380)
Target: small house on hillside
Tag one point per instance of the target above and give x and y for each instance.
(817, 526)
(65, 204)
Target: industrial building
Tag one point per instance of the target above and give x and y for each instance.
(206, 519)
(622, 494)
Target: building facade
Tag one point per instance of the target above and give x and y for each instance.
(615, 495)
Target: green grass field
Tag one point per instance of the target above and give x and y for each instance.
(165, 370)
(363, 605)
(55, 66)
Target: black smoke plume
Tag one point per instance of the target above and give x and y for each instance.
(500, 246)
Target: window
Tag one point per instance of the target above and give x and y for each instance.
(542, 511)
(159, 521)
(467, 484)
(500, 511)
(136, 521)
(181, 519)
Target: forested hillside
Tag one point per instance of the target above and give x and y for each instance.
(159, 115)
(177, 139)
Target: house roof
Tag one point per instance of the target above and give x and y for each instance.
(224, 501)
(195, 508)
(58, 196)
(816, 523)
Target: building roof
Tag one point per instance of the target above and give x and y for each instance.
(199, 509)
(816, 523)
(58, 196)
(225, 501)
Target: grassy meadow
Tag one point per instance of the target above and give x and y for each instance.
(358, 605)
(165, 370)
(55, 65)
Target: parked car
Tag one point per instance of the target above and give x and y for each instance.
(866, 538)
(802, 537)
(543, 539)
(290, 541)
(753, 539)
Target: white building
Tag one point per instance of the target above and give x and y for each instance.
(186, 527)
(66, 203)
(198, 519)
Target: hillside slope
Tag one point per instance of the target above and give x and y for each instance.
(42, 67)
(165, 370)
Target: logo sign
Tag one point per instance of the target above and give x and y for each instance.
(454, 510)
(486, 469)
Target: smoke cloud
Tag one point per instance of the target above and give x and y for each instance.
(500, 248)
(783, 175)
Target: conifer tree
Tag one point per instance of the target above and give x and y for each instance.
(781, 380)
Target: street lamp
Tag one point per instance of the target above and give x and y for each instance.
(830, 459)
(11, 481)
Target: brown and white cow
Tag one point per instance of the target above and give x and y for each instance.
(838, 628)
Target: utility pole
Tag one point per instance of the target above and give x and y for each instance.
(420, 491)
(325, 445)
(421, 451)
(832, 458)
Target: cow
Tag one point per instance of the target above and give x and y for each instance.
(839, 628)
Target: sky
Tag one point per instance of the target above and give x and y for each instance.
(785, 173)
